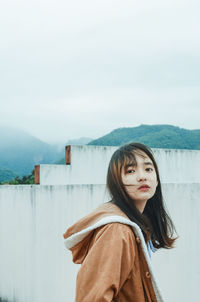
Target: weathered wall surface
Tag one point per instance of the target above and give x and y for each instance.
(89, 166)
(34, 265)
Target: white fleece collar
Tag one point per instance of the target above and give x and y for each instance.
(78, 237)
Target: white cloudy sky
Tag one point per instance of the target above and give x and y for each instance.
(85, 67)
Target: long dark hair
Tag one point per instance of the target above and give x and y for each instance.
(154, 222)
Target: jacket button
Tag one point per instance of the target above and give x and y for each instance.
(138, 240)
(148, 275)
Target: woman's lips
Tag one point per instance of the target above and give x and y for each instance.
(144, 188)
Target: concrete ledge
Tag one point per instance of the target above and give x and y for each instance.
(88, 165)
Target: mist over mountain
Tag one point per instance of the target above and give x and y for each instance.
(6, 175)
(79, 141)
(20, 151)
(155, 136)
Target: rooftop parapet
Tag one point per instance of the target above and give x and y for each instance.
(88, 165)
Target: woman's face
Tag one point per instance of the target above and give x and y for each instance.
(141, 174)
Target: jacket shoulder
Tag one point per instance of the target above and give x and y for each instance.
(104, 210)
(116, 232)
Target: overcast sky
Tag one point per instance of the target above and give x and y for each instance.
(85, 67)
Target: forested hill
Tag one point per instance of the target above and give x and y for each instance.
(155, 136)
(19, 152)
(6, 175)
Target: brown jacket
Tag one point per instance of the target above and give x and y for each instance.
(115, 262)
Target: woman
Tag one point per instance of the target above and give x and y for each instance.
(114, 242)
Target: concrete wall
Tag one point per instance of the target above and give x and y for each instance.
(34, 265)
(89, 166)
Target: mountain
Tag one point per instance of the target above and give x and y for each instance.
(79, 141)
(6, 175)
(20, 151)
(155, 136)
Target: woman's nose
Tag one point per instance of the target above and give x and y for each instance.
(141, 176)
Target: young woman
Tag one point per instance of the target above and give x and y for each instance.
(114, 242)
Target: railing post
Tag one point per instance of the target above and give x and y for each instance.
(68, 155)
(37, 174)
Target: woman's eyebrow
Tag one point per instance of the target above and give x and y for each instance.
(130, 165)
(148, 163)
(145, 163)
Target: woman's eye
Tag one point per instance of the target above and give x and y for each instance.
(149, 169)
(131, 171)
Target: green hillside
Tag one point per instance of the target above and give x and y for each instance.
(155, 136)
(20, 152)
(6, 175)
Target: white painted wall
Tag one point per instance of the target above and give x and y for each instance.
(89, 166)
(34, 265)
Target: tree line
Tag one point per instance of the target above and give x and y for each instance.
(24, 180)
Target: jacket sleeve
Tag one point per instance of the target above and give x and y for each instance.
(107, 265)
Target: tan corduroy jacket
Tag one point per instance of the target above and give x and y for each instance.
(115, 265)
